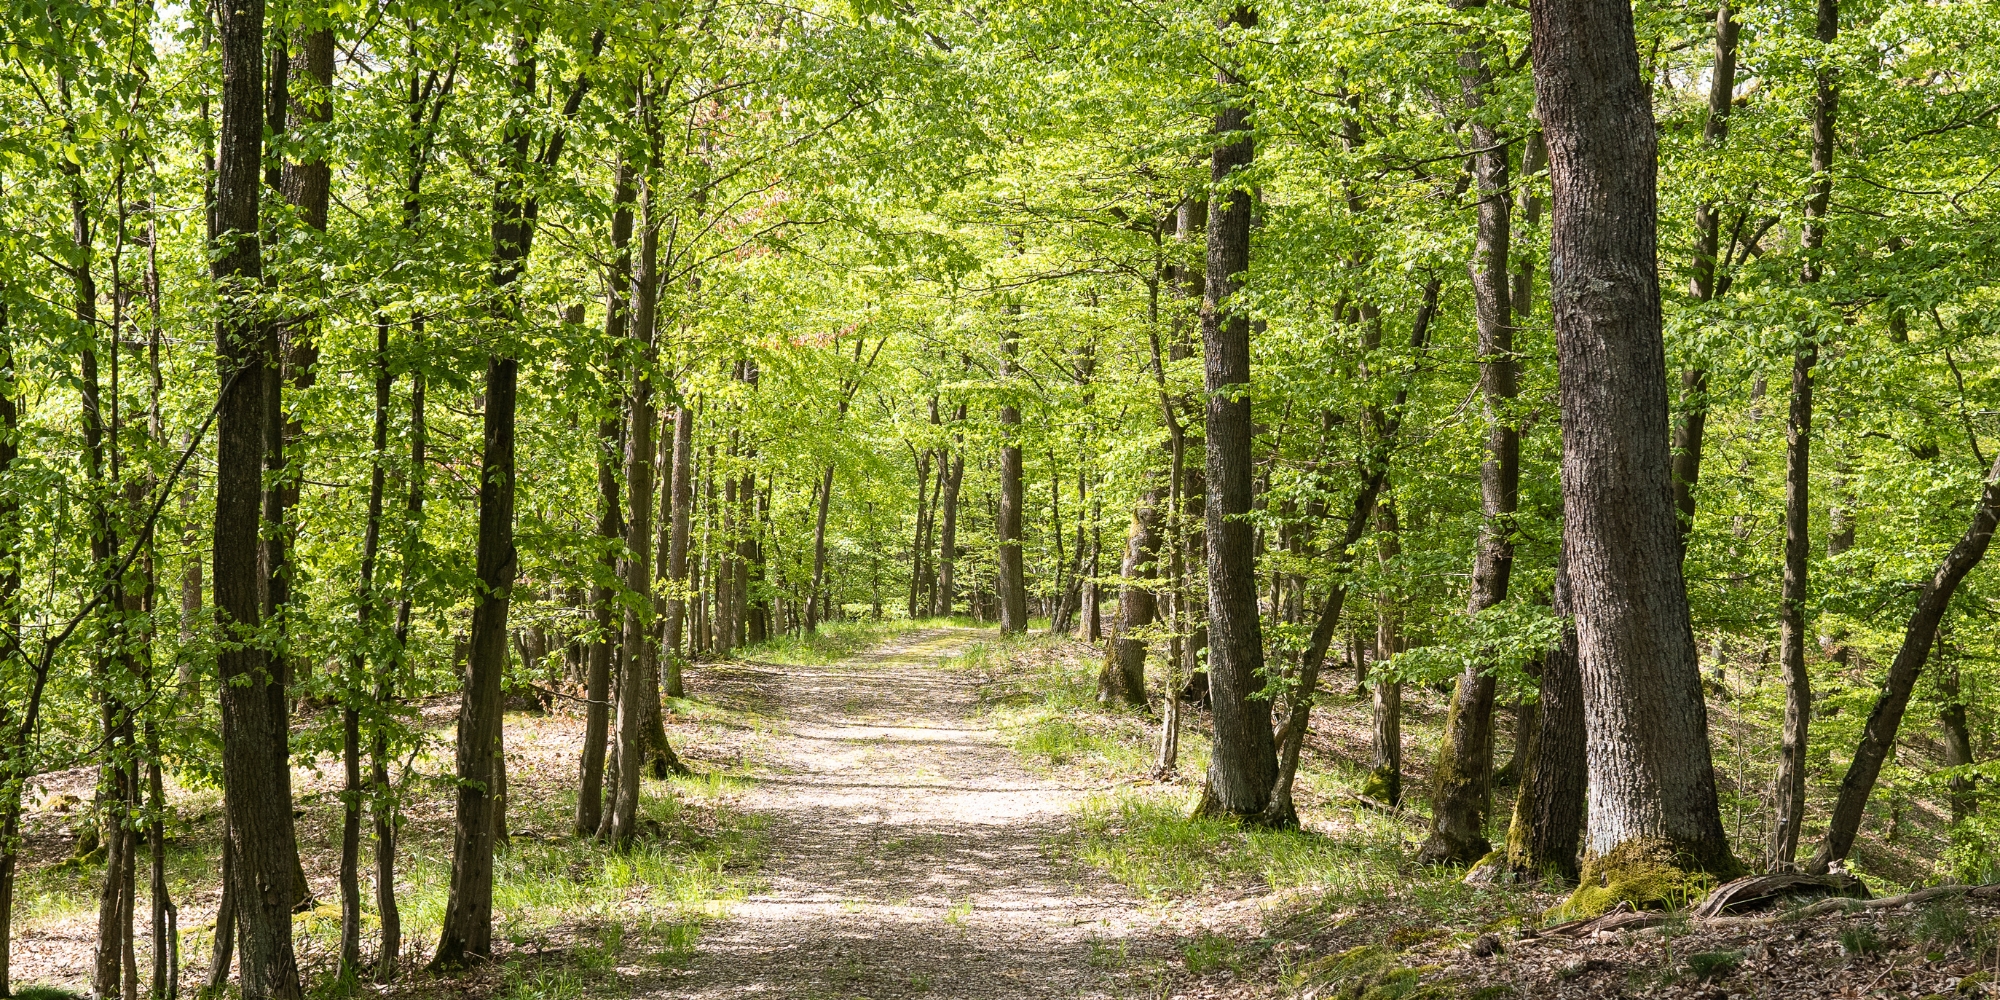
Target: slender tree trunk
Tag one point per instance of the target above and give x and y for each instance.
(639, 471)
(12, 548)
(255, 740)
(1790, 782)
(1789, 785)
(1957, 741)
(1123, 678)
(468, 920)
(351, 797)
(384, 808)
(610, 529)
(1463, 770)
(1548, 811)
(920, 539)
(1878, 738)
(1705, 283)
(819, 548)
(1244, 761)
(1385, 782)
(682, 485)
(1012, 570)
(948, 531)
(1652, 786)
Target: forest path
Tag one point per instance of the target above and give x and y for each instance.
(907, 850)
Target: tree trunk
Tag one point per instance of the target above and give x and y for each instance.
(12, 549)
(610, 529)
(468, 919)
(1652, 786)
(1123, 678)
(1244, 761)
(639, 654)
(256, 755)
(1011, 569)
(1879, 736)
(386, 910)
(1957, 741)
(1385, 782)
(682, 485)
(1704, 285)
(351, 797)
(1548, 812)
(819, 549)
(1790, 783)
(948, 534)
(1463, 771)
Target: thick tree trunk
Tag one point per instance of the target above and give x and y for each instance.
(1462, 774)
(256, 754)
(1790, 783)
(1705, 284)
(1548, 812)
(1123, 678)
(1244, 761)
(1652, 786)
(1878, 739)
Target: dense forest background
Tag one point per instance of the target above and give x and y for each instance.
(788, 314)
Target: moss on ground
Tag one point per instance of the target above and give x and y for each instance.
(1648, 873)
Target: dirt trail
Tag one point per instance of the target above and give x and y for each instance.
(907, 850)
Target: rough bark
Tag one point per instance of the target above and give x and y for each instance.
(1652, 786)
(1123, 678)
(1462, 774)
(1703, 286)
(1244, 762)
(1790, 783)
(1548, 811)
(255, 741)
(1878, 738)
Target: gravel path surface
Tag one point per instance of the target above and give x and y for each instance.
(908, 852)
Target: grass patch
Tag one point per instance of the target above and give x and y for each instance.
(1043, 697)
(1149, 842)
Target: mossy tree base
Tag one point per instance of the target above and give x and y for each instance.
(1650, 874)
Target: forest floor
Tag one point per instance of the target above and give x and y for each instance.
(928, 810)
